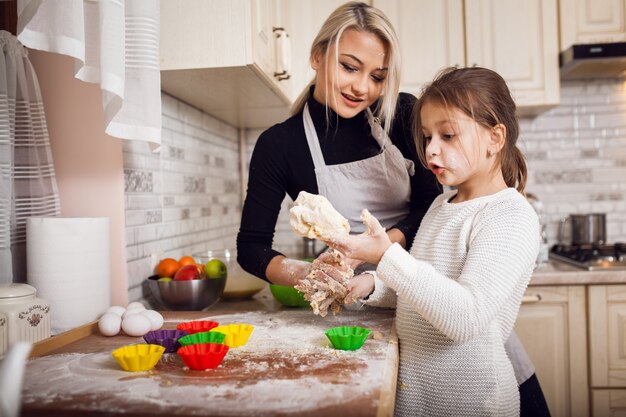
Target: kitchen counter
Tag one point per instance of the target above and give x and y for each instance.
(559, 273)
(286, 368)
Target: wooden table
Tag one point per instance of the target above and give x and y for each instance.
(287, 368)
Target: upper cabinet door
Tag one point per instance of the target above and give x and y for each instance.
(303, 19)
(518, 39)
(592, 21)
(431, 37)
(263, 44)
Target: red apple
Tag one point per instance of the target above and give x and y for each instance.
(187, 273)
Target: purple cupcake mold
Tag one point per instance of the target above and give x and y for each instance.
(166, 338)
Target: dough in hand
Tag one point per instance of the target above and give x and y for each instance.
(314, 217)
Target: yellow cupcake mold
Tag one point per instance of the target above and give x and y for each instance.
(236, 334)
(137, 358)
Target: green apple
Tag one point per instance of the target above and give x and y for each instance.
(215, 269)
(165, 279)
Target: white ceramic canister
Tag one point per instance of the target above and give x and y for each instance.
(23, 316)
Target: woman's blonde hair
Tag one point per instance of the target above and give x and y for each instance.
(483, 95)
(364, 18)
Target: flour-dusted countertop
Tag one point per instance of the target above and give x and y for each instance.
(559, 273)
(286, 368)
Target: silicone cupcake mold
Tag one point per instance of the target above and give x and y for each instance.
(198, 326)
(166, 338)
(347, 337)
(136, 358)
(202, 337)
(236, 334)
(204, 356)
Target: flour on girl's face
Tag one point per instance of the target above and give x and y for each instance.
(457, 144)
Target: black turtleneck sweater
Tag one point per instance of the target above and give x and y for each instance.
(282, 163)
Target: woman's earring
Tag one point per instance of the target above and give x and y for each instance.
(490, 152)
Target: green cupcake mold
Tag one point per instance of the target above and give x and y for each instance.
(202, 337)
(347, 337)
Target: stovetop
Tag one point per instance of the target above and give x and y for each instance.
(592, 257)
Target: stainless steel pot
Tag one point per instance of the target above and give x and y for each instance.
(584, 229)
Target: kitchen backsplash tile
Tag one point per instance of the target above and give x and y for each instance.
(577, 155)
(185, 199)
(188, 198)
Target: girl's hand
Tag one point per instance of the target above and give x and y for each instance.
(332, 264)
(367, 247)
(360, 286)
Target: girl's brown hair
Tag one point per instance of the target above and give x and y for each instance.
(483, 95)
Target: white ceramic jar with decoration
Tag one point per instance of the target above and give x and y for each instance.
(26, 317)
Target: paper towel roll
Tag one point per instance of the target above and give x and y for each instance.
(69, 263)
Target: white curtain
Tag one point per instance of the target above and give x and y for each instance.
(27, 182)
(115, 43)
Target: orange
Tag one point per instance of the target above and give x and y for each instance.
(186, 260)
(167, 267)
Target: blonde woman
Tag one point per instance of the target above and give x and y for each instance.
(349, 139)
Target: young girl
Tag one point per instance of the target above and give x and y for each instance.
(460, 288)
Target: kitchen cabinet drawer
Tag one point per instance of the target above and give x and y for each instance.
(551, 326)
(607, 339)
(516, 38)
(592, 21)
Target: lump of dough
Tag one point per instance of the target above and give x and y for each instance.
(314, 217)
(321, 290)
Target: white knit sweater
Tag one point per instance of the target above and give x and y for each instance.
(458, 295)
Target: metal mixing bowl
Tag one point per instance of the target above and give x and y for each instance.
(196, 294)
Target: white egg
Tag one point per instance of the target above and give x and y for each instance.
(119, 310)
(156, 319)
(131, 311)
(109, 324)
(136, 325)
(136, 304)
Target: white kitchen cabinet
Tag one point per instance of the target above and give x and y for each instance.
(519, 40)
(431, 38)
(592, 21)
(552, 327)
(516, 38)
(608, 402)
(607, 322)
(607, 348)
(220, 56)
(303, 20)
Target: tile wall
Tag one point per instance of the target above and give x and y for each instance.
(188, 198)
(577, 155)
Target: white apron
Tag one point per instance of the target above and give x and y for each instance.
(380, 184)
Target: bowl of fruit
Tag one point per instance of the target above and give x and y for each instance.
(186, 285)
(240, 285)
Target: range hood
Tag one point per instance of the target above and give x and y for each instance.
(598, 60)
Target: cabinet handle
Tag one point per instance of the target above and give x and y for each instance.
(283, 54)
(531, 299)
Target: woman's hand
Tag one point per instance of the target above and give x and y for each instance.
(334, 265)
(360, 286)
(367, 247)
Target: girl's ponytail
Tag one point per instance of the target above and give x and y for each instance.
(514, 167)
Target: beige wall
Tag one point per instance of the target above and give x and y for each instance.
(88, 162)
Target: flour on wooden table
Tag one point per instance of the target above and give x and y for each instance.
(286, 361)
